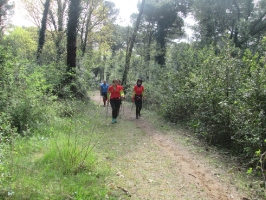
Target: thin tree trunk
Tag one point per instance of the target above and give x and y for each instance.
(131, 45)
(42, 30)
(86, 31)
(57, 22)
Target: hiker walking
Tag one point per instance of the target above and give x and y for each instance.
(121, 98)
(115, 93)
(103, 91)
(138, 95)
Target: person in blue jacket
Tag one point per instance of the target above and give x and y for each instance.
(103, 91)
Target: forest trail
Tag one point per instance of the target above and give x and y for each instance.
(165, 168)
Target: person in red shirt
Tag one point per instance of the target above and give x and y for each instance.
(119, 84)
(138, 95)
(114, 95)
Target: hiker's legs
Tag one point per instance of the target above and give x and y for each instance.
(104, 98)
(119, 105)
(115, 106)
(114, 109)
(137, 111)
(138, 104)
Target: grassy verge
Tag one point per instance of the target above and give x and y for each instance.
(57, 162)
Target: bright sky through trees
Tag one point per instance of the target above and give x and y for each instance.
(19, 18)
(126, 8)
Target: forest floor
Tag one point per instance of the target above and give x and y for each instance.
(152, 159)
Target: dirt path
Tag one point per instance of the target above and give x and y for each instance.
(165, 168)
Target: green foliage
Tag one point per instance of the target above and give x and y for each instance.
(56, 162)
(23, 42)
(164, 21)
(250, 170)
(220, 95)
(26, 93)
(237, 20)
(28, 101)
(6, 129)
(250, 108)
(214, 89)
(69, 153)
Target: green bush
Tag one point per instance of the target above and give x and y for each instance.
(6, 129)
(26, 92)
(220, 93)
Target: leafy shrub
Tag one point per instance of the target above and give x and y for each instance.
(26, 93)
(220, 94)
(6, 129)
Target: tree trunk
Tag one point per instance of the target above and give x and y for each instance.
(131, 45)
(85, 32)
(42, 30)
(161, 46)
(73, 16)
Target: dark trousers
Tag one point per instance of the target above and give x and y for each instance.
(104, 94)
(115, 104)
(120, 103)
(138, 104)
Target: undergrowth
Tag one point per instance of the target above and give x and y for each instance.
(56, 161)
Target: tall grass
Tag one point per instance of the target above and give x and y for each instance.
(56, 162)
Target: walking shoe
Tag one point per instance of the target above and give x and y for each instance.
(113, 121)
